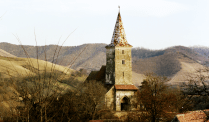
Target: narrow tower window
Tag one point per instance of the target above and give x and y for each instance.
(123, 74)
(123, 61)
(122, 51)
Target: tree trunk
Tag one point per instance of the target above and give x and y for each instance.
(45, 114)
(41, 114)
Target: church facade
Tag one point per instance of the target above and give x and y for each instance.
(117, 74)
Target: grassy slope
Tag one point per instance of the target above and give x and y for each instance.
(170, 62)
(188, 67)
(187, 59)
(66, 55)
(21, 67)
(4, 53)
(94, 55)
(12, 66)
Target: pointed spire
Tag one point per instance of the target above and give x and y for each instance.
(119, 36)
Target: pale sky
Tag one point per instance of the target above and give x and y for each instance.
(153, 24)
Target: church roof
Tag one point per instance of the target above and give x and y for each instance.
(119, 36)
(97, 75)
(125, 87)
(193, 116)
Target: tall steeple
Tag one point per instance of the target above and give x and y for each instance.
(118, 72)
(118, 57)
(119, 36)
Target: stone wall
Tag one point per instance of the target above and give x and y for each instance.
(120, 95)
(118, 72)
(114, 97)
(110, 99)
(123, 72)
(110, 65)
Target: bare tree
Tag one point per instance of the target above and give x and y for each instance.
(91, 99)
(196, 88)
(37, 93)
(154, 97)
(85, 103)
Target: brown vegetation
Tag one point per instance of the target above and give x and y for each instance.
(50, 93)
(35, 85)
(158, 101)
(196, 88)
(94, 57)
(165, 65)
(154, 98)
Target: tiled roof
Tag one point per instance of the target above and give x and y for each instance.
(92, 75)
(119, 36)
(194, 116)
(97, 75)
(125, 87)
(101, 74)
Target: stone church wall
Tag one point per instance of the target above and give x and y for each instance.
(110, 99)
(120, 95)
(110, 65)
(123, 72)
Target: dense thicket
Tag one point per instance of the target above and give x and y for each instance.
(41, 98)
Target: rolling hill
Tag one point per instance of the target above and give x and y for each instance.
(168, 62)
(5, 54)
(13, 66)
(88, 56)
(14, 70)
(175, 62)
(203, 51)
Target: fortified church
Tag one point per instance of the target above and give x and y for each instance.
(117, 74)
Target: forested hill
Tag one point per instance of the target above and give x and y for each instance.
(165, 62)
(93, 56)
(88, 56)
(201, 50)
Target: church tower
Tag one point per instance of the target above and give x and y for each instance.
(117, 74)
(118, 57)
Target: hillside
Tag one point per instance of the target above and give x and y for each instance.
(17, 73)
(175, 62)
(165, 62)
(13, 66)
(5, 54)
(91, 58)
(187, 67)
(203, 51)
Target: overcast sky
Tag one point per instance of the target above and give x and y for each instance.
(153, 24)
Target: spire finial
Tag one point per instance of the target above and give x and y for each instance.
(119, 8)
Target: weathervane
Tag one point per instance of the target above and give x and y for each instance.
(119, 8)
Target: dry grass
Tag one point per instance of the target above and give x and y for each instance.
(14, 70)
(4, 53)
(187, 67)
(17, 67)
